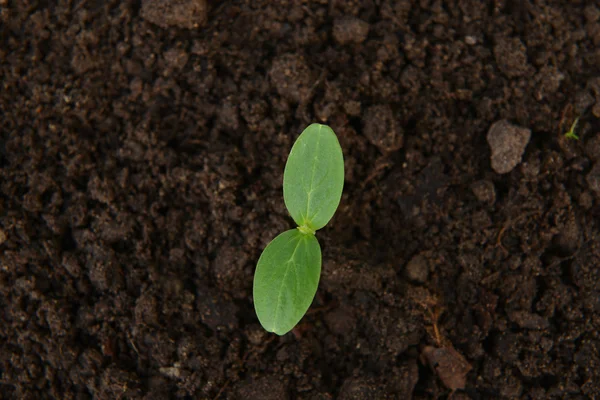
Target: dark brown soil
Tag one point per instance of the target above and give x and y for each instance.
(142, 147)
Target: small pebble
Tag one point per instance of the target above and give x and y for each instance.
(448, 364)
(507, 142)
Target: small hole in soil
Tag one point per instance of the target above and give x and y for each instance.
(548, 381)
(567, 274)
(3, 158)
(122, 247)
(425, 375)
(47, 197)
(68, 243)
(489, 342)
(410, 125)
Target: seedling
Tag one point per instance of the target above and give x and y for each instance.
(289, 268)
(571, 133)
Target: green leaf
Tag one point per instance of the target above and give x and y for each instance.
(286, 280)
(314, 177)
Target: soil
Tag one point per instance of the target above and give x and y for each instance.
(142, 147)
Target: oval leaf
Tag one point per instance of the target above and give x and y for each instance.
(314, 177)
(286, 280)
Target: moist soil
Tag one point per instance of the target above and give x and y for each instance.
(142, 147)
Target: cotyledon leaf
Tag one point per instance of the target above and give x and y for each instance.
(313, 179)
(286, 280)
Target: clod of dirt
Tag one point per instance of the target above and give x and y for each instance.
(506, 347)
(411, 78)
(350, 30)
(582, 101)
(104, 271)
(146, 310)
(511, 57)
(71, 265)
(268, 388)
(593, 179)
(228, 269)
(592, 13)
(485, 191)
(101, 190)
(593, 88)
(291, 76)
(118, 383)
(380, 127)
(507, 142)
(216, 311)
(592, 147)
(344, 273)
(548, 82)
(529, 320)
(176, 58)
(352, 108)
(179, 13)
(449, 365)
(362, 389)
(340, 320)
(228, 115)
(430, 186)
(417, 269)
(568, 240)
(406, 378)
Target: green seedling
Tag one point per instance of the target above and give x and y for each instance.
(289, 268)
(571, 133)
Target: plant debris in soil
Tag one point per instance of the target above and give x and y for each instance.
(142, 145)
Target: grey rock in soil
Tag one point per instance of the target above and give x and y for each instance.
(507, 142)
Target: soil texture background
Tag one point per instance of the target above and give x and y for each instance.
(142, 147)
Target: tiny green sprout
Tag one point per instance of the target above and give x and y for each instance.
(571, 133)
(289, 268)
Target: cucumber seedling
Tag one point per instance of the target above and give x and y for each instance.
(289, 268)
(570, 134)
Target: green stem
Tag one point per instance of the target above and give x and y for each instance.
(306, 230)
